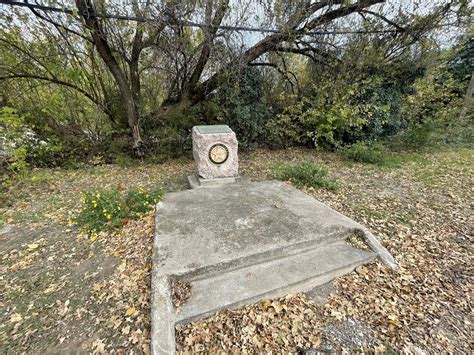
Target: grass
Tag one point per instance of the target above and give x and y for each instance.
(378, 155)
(41, 177)
(304, 174)
(370, 153)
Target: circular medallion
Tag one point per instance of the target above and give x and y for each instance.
(218, 153)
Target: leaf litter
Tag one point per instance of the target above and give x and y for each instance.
(73, 293)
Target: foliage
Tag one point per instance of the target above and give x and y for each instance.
(171, 138)
(20, 145)
(362, 152)
(332, 112)
(142, 87)
(432, 113)
(240, 103)
(41, 177)
(357, 98)
(116, 145)
(461, 65)
(125, 161)
(110, 209)
(305, 174)
(55, 112)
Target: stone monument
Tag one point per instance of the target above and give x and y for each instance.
(240, 243)
(215, 153)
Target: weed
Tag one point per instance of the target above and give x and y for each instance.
(304, 174)
(111, 209)
(41, 176)
(72, 164)
(371, 153)
(125, 161)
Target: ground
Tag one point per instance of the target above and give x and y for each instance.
(63, 290)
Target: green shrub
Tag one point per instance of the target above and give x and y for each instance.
(169, 132)
(304, 174)
(72, 164)
(118, 145)
(356, 99)
(125, 161)
(361, 152)
(334, 113)
(240, 103)
(21, 147)
(432, 111)
(110, 209)
(286, 129)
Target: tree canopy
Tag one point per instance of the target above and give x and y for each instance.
(104, 66)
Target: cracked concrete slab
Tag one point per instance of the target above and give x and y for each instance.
(240, 242)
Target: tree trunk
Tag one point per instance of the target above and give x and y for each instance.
(467, 98)
(128, 98)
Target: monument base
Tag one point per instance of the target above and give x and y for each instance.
(197, 181)
(240, 243)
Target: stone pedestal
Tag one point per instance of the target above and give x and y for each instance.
(215, 151)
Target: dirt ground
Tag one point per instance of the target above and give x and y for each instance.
(64, 291)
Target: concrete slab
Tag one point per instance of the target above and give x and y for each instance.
(294, 273)
(200, 228)
(197, 181)
(239, 242)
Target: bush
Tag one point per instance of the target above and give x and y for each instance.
(169, 132)
(337, 112)
(117, 145)
(111, 209)
(20, 146)
(432, 111)
(357, 98)
(361, 152)
(240, 103)
(305, 174)
(125, 161)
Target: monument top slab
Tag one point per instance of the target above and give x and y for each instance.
(201, 227)
(214, 129)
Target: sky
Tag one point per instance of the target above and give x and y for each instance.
(254, 13)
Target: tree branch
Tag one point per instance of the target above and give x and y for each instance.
(57, 25)
(306, 52)
(273, 65)
(207, 44)
(383, 18)
(55, 81)
(271, 42)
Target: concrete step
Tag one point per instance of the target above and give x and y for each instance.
(296, 272)
(270, 254)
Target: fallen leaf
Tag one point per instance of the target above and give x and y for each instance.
(15, 318)
(131, 311)
(126, 330)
